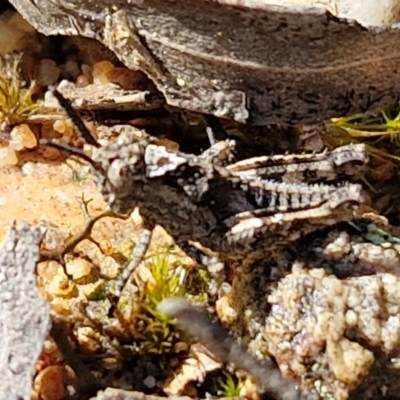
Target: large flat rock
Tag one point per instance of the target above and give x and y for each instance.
(252, 62)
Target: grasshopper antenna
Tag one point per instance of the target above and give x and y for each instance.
(70, 150)
(215, 130)
(75, 118)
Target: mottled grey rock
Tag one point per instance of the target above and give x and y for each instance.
(260, 64)
(24, 314)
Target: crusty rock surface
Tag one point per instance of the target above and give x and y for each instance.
(334, 333)
(261, 65)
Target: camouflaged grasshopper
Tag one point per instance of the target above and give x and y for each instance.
(234, 210)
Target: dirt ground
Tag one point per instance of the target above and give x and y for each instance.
(42, 191)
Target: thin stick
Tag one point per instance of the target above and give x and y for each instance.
(59, 254)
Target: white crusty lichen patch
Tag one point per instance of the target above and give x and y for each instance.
(323, 329)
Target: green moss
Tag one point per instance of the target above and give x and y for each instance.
(157, 333)
(96, 291)
(197, 284)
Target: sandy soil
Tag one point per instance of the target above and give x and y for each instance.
(39, 191)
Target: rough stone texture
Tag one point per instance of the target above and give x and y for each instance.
(367, 13)
(195, 322)
(118, 394)
(263, 65)
(349, 255)
(24, 314)
(335, 333)
(108, 96)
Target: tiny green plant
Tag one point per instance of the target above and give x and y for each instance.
(379, 131)
(77, 173)
(230, 385)
(169, 282)
(158, 334)
(16, 98)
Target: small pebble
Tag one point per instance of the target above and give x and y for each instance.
(70, 69)
(101, 71)
(48, 72)
(150, 382)
(22, 138)
(8, 156)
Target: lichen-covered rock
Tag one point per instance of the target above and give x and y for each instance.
(251, 62)
(331, 333)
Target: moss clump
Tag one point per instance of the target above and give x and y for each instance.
(154, 328)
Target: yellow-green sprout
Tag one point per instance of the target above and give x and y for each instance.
(158, 334)
(230, 385)
(16, 99)
(380, 132)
